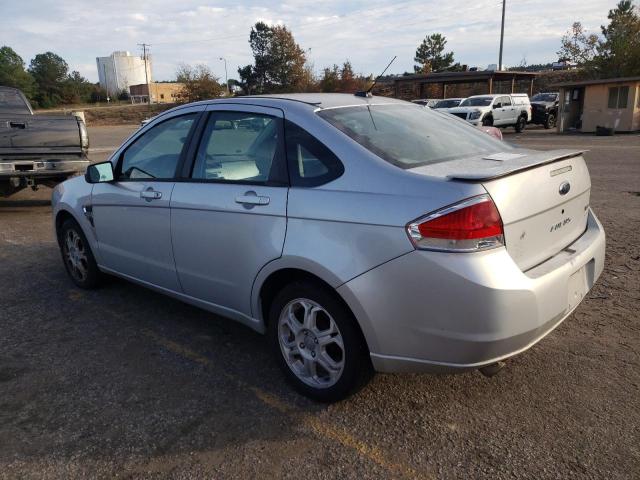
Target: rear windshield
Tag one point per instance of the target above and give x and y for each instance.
(410, 136)
(12, 102)
(476, 102)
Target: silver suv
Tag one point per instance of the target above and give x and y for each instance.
(496, 110)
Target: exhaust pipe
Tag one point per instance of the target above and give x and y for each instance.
(493, 369)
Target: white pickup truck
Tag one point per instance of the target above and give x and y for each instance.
(501, 110)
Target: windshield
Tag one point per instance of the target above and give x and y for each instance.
(410, 136)
(544, 97)
(447, 103)
(476, 102)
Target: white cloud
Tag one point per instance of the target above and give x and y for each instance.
(368, 33)
(137, 16)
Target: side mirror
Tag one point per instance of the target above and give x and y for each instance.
(99, 173)
(497, 105)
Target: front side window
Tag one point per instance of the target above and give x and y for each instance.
(505, 101)
(155, 154)
(409, 136)
(240, 147)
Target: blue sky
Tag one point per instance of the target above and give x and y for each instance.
(369, 33)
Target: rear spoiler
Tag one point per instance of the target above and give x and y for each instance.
(489, 167)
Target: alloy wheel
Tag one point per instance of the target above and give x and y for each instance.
(311, 343)
(75, 255)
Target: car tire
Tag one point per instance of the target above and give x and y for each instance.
(487, 121)
(521, 123)
(550, 122)
(317, 342)
(77, 256)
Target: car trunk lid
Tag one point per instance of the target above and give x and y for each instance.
(542, 197)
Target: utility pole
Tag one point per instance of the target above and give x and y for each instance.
(504, 4)
(226, 77)
(145, 46)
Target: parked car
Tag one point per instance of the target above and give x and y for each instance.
(358, 233)
(37, 149)
(495, 110)
(426, 102)
(545, 109)
(493, 131)
(447, 103)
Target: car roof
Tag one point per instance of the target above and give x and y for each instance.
(494, 95)
(314, 100)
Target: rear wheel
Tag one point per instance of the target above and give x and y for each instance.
(77, 256)
(521, 123)
(550, 122)
(317, 343)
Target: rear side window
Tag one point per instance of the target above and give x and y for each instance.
(310, 162)
(155, 154)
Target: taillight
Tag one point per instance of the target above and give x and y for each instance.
(469, 226)
(84, 135)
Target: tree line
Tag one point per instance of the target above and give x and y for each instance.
(47, 81)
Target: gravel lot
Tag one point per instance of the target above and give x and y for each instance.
(125, 382)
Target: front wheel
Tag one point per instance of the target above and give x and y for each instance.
(550, 122)
(487, 121)
(317, 342)
(77, 256)
(521, 124)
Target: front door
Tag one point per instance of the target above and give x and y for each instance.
(228, 218)
(131, 215)
(501, 111)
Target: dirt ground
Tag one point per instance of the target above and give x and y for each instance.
(123, 382)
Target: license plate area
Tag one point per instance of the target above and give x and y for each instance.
(580, 283)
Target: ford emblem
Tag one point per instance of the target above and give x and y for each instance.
(564, 188)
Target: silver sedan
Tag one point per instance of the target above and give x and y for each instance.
(359, 233)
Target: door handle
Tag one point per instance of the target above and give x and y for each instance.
(150, 194)
(251, 198)
(18, 124)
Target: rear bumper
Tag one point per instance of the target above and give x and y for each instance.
(434, 311)
(62, 168)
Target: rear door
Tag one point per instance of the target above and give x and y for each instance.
(131, 215)
(228, 213)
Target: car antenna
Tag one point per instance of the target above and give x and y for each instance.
(367, 93)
